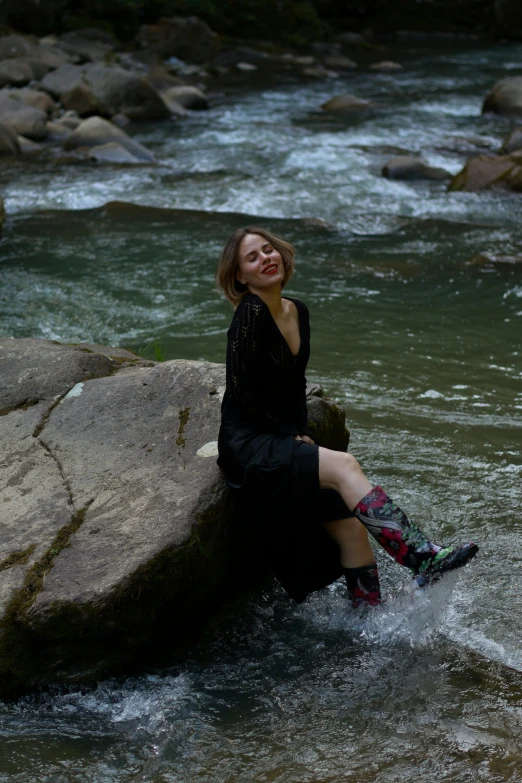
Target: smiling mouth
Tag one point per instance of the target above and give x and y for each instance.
(270, 270)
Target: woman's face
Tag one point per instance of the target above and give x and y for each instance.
(260, 265)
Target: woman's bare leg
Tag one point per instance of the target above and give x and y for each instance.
(353, 542)
(386, 522)
(341, 471)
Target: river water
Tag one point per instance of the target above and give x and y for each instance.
(424, 350)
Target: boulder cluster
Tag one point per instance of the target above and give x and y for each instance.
(76, 92)
(502, 169)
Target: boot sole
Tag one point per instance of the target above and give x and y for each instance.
(456, 559)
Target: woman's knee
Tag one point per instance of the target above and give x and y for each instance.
(336, 467)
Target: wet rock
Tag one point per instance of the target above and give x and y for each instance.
(36, 99)
(111, 89)
(351, 39)
(187, 96)
(58, 131)
(241, 66)
(175, 108)
(338, 62)
(386, 66)
(121, 529)
(513, 142)
(505, 97)
(494, 261)
(345, 103)
(2, 214)
(187, 38)
(112, 152)
(95, 132)
(23, 119)
(28, 147)
(9, 145)
(320, 72)
(408, 167)
(121, 120)
(484, 171)
(71, 119)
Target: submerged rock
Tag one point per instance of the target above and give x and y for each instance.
(513, 142)
(345, 103)
(409, 168)
(95, 132)
(505, 97)
(494, 261)
(120, 528)
(386, 66)
(485, 171)
(112, 152)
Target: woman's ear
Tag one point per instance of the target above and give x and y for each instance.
(240, 278)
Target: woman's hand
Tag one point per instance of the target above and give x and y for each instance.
(306, 439)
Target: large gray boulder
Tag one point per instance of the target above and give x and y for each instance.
(407, 167)
(109, 90)
(95, 131)
(187, 38)
(25, 120)
(116, 527)
(505, 97)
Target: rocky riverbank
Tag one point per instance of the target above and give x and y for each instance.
(118, 528)
(71, 98)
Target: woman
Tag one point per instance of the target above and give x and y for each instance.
(309, 506)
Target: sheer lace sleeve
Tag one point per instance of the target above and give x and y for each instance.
(247, 381)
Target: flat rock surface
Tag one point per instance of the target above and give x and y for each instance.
(34, 370)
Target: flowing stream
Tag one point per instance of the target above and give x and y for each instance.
(424, 350)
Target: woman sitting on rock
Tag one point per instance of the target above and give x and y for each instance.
(309, 506)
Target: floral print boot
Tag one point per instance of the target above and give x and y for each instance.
(403, 540)
(363, 585)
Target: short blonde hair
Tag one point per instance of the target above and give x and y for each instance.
(228, 264)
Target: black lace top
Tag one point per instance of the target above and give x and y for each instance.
(266, 384)
(275, 477)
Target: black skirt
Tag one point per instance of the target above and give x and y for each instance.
(276, 482)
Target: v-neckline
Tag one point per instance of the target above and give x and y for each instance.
(285, 341)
